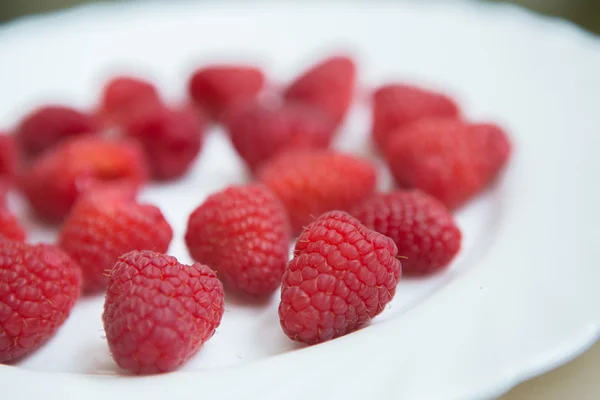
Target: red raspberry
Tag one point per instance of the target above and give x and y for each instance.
(38, 287)
(172, 138)
(158, 312)
(10, 227)
(312, 182)
(328, 85)
(45, 127)
(4, 189)
(216, 88)
(421, 227)
(9, 157)
(243, 233)
(396, 105)
(446, 158)
(105, 193)
(259, 132)
(342, 275)
(9, 224)
(121, 94)
(55, 181)
(492, 143)
(96, 233)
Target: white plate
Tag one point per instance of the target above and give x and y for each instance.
(520, 299)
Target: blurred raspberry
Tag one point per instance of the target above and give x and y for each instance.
(493, 144)
(38, 287)
(46, 126)
(243, 233)
(342, 275)
(107, 193)
(10, 227)
(96, 233)
(171, 137)
(447, 158)
(259, 132)
(397, 105)
(9, 157)
(123, 93)
(328, 86)
(310, 183)
(218, 87)
(158, 312)
(54, 182)
(4, 190)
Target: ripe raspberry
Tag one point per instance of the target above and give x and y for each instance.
(328, 86)
(121, 94)
(47, 126)
(446, 158)
(55, 181)
(342, 275)
(96, 233)
(259, 132)
(4, 189)
(104, 193)
(10, 227)
(243, 233)
(158, 312)
(421, 227)
(492, 143)
(310, 183)
(9, 157)
(396, 105)
(38, 287)
(172, 138)
(218, 87)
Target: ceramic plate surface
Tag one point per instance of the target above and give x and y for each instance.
(520, 299)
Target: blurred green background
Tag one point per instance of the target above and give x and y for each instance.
(583, 12)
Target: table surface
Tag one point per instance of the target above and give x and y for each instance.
(575, 380)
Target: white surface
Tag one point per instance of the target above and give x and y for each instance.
(577, 379)
(520, 299)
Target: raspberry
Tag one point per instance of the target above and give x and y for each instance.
(243, 233)
(158, 312)
(216, 88)
(45, 127)
(121, 94)
(55, 181)
(4, 189)
(342, 275)
(96, 233)
(329, 86)
(9, 224)
(10, 227)
(9, 156)
(259, 132)
(396, 105)
(446, 158)
(38, 287)
(172, 138)
(312, 182)
(421, 227)
(493, 144)
(107, 193)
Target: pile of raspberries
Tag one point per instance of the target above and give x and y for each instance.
(81, 170)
